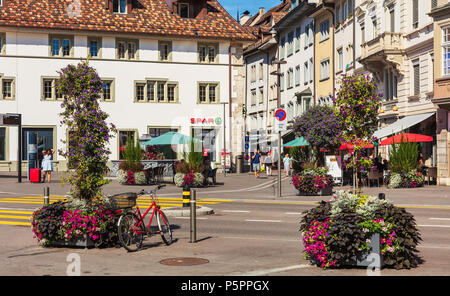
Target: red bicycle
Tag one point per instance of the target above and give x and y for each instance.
(131, 225)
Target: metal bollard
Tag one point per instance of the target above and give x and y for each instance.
(381, 196)
(186, 197)
(193, 236)
(46, 196)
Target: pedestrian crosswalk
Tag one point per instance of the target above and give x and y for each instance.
(21, 217)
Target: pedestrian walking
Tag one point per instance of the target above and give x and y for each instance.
(287, 164)
(47, 166)
(256, 162)
(268, 161)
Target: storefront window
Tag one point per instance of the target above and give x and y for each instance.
(2, 143)
(124, 136)
(167, 150)
(208, 136)
(44, 141)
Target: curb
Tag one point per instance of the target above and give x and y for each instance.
(186, 212)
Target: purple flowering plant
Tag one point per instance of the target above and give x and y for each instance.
(89, 133)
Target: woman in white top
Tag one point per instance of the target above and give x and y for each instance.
(47, 166)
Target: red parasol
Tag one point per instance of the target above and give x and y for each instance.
(407, 137)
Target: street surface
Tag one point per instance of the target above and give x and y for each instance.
(251, 232)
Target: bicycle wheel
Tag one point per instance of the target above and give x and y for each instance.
(129, 238)
(164, 227)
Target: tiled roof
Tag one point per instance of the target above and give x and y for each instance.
(148, 17)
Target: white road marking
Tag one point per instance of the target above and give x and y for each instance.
(292, 213)
(18, 209)
(443, 219)
(434, 247)
(270, 221)
(442, 226)
(274, 270)
(235, 211)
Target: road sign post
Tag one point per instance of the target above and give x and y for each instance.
(280, 125)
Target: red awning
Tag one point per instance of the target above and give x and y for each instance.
(407, 137)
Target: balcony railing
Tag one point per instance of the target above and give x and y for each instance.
(386, 41)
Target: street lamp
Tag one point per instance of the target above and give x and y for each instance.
(278, 74)
(224, 142)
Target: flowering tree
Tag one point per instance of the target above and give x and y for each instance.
(89, 134)
(321, 127)
(357, 103)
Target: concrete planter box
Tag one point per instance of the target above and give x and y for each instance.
(323, 192)
(84, 242)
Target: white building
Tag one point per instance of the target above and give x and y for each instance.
(165, 66)
(397, 48)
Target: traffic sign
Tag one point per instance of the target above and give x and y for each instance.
(280, 114)
(281, 122)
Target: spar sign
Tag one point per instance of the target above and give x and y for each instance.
(280, 120)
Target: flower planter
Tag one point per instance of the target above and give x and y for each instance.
(323, 192)
(85, 242)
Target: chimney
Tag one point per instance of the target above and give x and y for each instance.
(261, 11)
(245, 17)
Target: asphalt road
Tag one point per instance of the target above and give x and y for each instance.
(251, 233)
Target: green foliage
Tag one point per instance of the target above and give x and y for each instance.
(87, 149)
(193, 156)
(403, 157)
(132, 157)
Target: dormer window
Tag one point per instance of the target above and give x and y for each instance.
(183, 10)
(120, 6)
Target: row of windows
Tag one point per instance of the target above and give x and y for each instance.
(126, 49)
(287, 80)
(287, 42)
(157, 91)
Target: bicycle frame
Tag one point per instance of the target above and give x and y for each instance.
(142, 217)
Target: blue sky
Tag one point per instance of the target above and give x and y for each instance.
(251, 5)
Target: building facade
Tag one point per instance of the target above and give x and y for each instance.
(163, 67)
(441, 76)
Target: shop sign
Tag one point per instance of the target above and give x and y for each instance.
(217, 120)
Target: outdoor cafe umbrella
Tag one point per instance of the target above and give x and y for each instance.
(406, 137)
(171, 138)
(349, 146)
(296, 143)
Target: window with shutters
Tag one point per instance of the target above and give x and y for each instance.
(290, 78)
(374, 27)
(433, 4)
(297, 75)
(306, 72)
(261, 95)
(253, 97)
(261, 71)
(324, 30)
(120, 6)
(392, 18)
(290, 44)
(446, 51)
(415, 14)
(325, 69)
(297, 39)
(340, 60)
(208, 53)
(416, 77)
(283, 41)
(61, 46)
(165, 51)
(311, 70)
(127, 49)
(282, 82)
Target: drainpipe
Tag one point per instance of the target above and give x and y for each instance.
(230, 116)
(354, 36)
(334, 61)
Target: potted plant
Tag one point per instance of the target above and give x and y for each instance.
(87, 154)
(353, 229)
(131, 169)
(313, 182)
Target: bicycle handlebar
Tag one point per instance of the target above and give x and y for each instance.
(142, 192)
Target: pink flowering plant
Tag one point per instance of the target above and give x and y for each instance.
(81, 223)
(337, 233)
(312, 181)
(188, 179)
